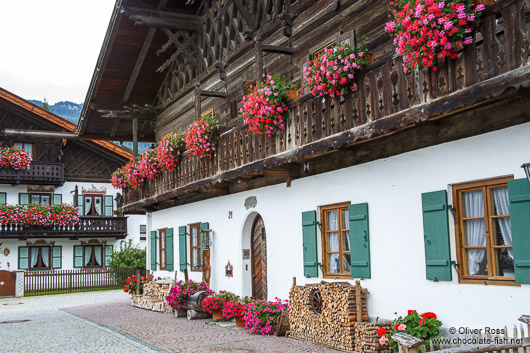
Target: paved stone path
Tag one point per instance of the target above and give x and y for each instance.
(36, 325)
(105, 322)
(172, 334)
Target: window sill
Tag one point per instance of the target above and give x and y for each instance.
(335, 276)
(486, 281)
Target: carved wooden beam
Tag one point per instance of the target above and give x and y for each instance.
(162, 19)
(217, 94)
(277, 49)
(126, 114)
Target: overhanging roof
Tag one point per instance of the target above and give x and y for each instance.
(125, 81)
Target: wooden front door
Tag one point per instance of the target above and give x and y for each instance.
(7, 284)
(259, 259)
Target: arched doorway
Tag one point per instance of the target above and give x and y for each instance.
(259, 259)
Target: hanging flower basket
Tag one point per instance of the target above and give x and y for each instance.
(264, 109)
(202, 137)
(331, 72)
(426, 32)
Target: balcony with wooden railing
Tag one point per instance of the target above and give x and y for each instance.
(88, 227)
(494, 68)
(39, 173)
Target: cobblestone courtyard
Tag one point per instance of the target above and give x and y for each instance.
(67, 323)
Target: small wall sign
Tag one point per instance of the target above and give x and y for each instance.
(246, 254)
(229, 270)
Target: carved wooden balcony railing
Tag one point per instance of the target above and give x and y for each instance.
(39, 173)
(386, 100)
(88, 227)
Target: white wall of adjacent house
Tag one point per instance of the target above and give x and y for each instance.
(10, 261)
(392, 187)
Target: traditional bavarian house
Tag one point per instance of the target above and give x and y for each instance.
(62, 170)
(411, 182)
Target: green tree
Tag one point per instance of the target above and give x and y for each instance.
(129, 256)
(46, 106)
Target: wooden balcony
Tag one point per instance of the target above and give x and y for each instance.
(39, 173)
(88, 227)
(484, 89)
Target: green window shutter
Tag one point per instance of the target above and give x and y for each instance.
(152, 246)
(23, 258)
(78, 256)
(3, 197)
(203, 226)
(436, 235)
(57, 199)
(57, 257)
(169, 249)
(80, 204)
(183, 251)
(108, 254)
(23, 198)
(359, 240)
(109, 205)
(309, 236)
(519, 191)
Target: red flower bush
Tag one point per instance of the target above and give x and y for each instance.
(412, 324)
(426, 32)
(202, 137)
(130, 284)
(212, 303)
(428, 315)
(235, 309)
(264, 109)
(332, 71)
(14, 158)
(33, 215)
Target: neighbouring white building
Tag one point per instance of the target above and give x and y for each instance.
(412, 182)
(62, 170)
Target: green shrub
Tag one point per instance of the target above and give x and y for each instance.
(129, 256)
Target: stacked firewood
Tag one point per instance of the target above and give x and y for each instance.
(367, 339)
(154, 296)
(327, 313)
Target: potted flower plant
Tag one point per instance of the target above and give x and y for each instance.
(332, 71)
(425, 326)
(264, 109)
(214, 303)
(236, 309)
(426, 32)
(261, 315)
(178, 294)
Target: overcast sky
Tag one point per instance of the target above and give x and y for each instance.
(49, 48)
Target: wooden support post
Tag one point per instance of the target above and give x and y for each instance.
(197, 101)
(294, 281)
(138, 285)
(259, 58)
(358, 301)
(135, 137)
(186, 275)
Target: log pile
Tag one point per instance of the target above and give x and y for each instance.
(342, 306)
(367, 339)
(154, 296)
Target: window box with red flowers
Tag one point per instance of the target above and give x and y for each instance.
(426, 32)
(332, 71)
(202, 137)
(33, 215)
(14, 158)
(264, 108)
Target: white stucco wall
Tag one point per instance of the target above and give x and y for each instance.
(392, 187)
(67, 191)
